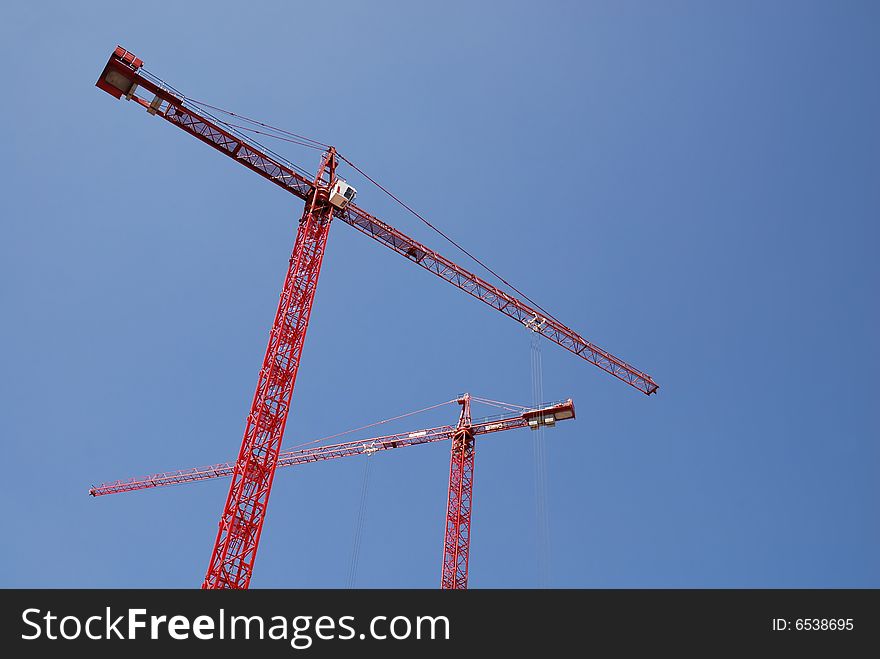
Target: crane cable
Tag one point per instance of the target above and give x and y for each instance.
(316, 143)
(236, 129)
(546, 313)
(293, 138)
(233, 128)
(539, 452)
(359, 526)
(187, 99)
(371, 425)
(510, 407)
(309, 142)
(277, 137)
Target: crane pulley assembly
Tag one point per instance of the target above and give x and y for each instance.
(328, 197)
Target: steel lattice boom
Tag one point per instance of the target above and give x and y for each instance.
(123, 76)
(240, 526)
(559, 411)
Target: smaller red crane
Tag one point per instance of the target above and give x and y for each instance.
(456, 543)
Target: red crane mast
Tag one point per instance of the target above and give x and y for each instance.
(457, 541)
(241, 523)
(238, 535)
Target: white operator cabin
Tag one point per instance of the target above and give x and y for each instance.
(341, 194)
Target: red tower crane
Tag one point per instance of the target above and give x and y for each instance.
(456, 542)
(545, 415)
(325, 197)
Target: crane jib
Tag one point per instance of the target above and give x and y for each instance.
(546, 415)
(121, 77)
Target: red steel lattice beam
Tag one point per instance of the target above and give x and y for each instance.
(559, 411)
(457, 541)
(123, 76)
(241, 524)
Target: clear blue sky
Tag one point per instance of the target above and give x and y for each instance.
(693, 185)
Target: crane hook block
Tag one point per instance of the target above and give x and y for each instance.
(117, 78)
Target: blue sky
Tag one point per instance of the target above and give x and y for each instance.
(693, 185)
